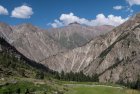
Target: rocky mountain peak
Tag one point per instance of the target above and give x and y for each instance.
(27, 27)
(74, 23)
(5, 30)
(75, 34)
(4, 26)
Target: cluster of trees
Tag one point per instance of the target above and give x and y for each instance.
(11, 65)
(133, 85)
(14, 63)
(80, 77)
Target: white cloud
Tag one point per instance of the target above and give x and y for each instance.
(56, 23)
(118, 7)
(23, 12)
(133, 2)
(100, 19)
(3, 11)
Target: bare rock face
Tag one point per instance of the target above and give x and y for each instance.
(115, 56)
(34, 42)
(76, 35)
(31, 41)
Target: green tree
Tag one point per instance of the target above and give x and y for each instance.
(40, 75)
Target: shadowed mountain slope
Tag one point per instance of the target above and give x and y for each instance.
(13, 63)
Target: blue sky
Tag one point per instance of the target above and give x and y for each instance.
(57, 13)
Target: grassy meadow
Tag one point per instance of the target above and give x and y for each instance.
(52, 86)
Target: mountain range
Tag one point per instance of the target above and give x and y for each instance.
(38, 44)
(112, 53)
(114, 56)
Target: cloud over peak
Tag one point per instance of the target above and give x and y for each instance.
(133, 2)
(3, 11)
(100, 19)
(23, 12)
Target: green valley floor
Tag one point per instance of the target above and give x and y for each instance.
(52, 86)
(100, 89)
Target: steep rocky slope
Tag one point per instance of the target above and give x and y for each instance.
(5, 31)
(75, 35)
(31, 41)
(114, 57)
(34, 43)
